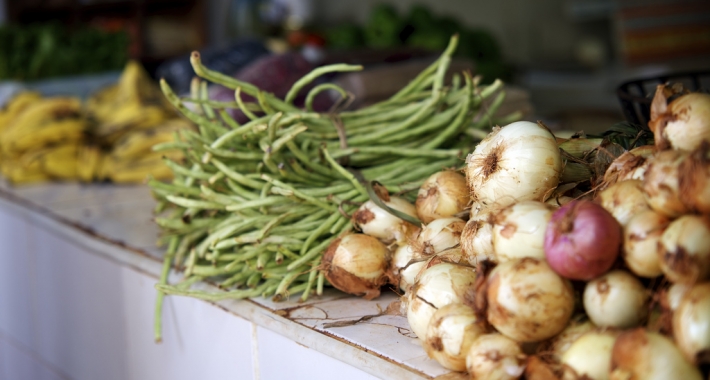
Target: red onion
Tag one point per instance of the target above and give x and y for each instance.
(582, 240)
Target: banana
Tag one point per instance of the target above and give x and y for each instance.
(140, 142)
(58, 162)
(89, 157)
(138, 170)
(62, 131)
(16, 105)
(129, 118)
(100, 104)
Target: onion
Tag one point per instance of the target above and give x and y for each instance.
(495, 357)
(616, 299)
(691, 324)
(536, 369)
(624, 199)
(444, 194)
(582, 240)
(641, 237)
(404, 269)
(374, 221)
(357, 264)
(589, 357)
(629, 165)
(437, 236)
(694, 180)
(519, 230)
(559, 344)
(518, 162)
(436, 287)
(528, 301)
(661, 183)
(641, 354)
(684, 123)
(685, 255)
(477, 239)
(559, 201)
(452, 330)
(675, 294)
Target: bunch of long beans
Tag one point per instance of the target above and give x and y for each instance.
(253, 206)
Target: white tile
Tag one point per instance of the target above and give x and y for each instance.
(200, 340)
(282, 358)
(17, 363)
(15, 278)
(79, 310)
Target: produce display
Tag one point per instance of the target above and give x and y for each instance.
(107, 137)
(524, 256)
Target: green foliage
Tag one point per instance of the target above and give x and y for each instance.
(36, 51)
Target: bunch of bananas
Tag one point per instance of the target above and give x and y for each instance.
(109, 137)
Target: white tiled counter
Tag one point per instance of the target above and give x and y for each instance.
(77, 269)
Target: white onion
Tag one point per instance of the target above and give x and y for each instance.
(374, 221)
(519, 230)
(437, 286)
(589, 357)
(641, 354)
(404, 268)
(691, 324)
(477, 238)
(452, 330)
(357, 264)
(495, 357)
(443, 195)
(642, 234)
(518, 162)
(685, 255)
(527, 300)
(560, 343)
(684, 123)
(675, 294)
(437, 236)
(694, 173)
(661, 183)
(616, 299)
(624, 199)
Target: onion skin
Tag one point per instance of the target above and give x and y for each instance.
(623, 200)
(442, 195)
(691, 324)
(528, 301)
(452, 329)
(685, 249)
(477, 238)
(642, 235)
(639, 354)
(616, 299)
(536, 369)
(404, 270)
(582, 240)
(437, 236)
(694, 180)
(518, 162)
(357, 264)
(560, 343)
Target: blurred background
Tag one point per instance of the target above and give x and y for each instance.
(562, 59)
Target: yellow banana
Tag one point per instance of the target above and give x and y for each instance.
(42, 112)
(137, 170)
(100, 105)
(89, 158)
(61, 131)
(59, 161)
(16, 105)
(138, 143)
(132, 117)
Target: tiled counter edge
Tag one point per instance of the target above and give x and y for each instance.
(140, 261)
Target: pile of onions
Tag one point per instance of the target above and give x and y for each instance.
(518, 162)
(582, 240)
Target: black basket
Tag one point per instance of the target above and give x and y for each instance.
(636, 95)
